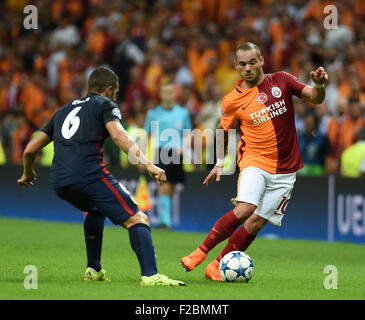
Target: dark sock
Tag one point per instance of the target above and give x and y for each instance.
(93, 229)
(141, 243)
(222, 229)
(239, 241)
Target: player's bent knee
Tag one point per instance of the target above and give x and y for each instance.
(139, 217)
(254, 224)
(244, 210)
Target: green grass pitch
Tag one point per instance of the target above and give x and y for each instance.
(283, 269)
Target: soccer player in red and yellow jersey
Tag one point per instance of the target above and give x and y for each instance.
(268, 153)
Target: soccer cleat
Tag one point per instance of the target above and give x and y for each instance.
(92, 275)
(212, 271)
(159, 280)
(193, 259)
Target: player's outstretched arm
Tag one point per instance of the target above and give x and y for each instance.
(135, 155)
(30, 152)
(317, 93)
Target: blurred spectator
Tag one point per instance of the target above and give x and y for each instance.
(136, 89)
(222, 11)
(52, 104)
(95, 60)
(20, 137)
(65, 34)
(352, 123)
(210, 111)
(329, 126)
(184, 75)
(226, 75)
(199, 54)
(96, 39)
(338, 38)
(300, 108)
(188, 42)
(32, 97)
(189, 99)
(4, 94)
(353, 158)
(332, 93)
(126, 55)
(190, 10)
(208, 119)
(58, 54)
(8, 126)
(2, 152)
(154, 74)
(314, 147)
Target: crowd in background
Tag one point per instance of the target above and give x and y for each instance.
(190, 43)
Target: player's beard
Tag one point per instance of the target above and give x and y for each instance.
(252, 78)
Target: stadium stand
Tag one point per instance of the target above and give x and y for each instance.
(187, 41)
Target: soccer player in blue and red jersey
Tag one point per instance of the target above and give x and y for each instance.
(268, 152)
(79, 176)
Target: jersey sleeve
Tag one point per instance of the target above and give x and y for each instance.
(48, 128)
(111, 112)
(228, 116)
(294, 86)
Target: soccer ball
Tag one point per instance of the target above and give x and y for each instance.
(236, 266)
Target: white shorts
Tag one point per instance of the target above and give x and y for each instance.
(270, 193)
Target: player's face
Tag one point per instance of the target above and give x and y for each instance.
(249, 65)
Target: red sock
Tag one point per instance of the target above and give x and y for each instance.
(222, 229)
(240, 240)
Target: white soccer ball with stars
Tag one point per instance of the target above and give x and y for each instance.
(236, 266)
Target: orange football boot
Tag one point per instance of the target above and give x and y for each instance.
(212, 271)
(193, 259)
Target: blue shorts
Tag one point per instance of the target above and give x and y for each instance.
(103, 196)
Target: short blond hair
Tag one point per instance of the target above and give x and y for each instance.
(246, 46)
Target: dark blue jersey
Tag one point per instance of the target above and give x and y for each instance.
(78, 131)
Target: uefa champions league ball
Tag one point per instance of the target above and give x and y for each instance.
(236, 266)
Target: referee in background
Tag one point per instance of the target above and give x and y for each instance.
(168, 120)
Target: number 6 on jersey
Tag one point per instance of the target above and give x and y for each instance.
(71, 124)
